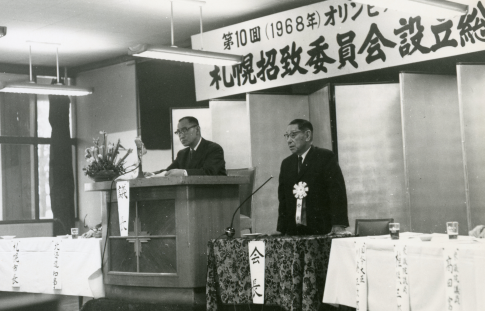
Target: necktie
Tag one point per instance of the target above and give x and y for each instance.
(191, 152)
(300, 164)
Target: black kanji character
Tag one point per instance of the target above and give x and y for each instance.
(311, 20)
(441, 43)
(371, 42)
(268, 67)
(480, 37)
(317, 55)
(346, 52)
(247, 71)
(216, 77)
(291, 60)
(414, 24)
(227, 37)
(255, 34)
(469, 32)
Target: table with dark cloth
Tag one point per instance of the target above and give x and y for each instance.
(295, 271)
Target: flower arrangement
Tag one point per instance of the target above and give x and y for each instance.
(103, 161)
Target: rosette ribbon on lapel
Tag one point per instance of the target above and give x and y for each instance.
(300, 191)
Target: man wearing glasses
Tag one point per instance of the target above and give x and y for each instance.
(202, 157)
(311, 193)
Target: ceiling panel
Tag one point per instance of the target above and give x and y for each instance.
(93, 31)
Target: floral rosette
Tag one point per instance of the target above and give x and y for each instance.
(300, 191)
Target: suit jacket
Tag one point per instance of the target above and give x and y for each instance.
(208, 159)
(326, 200)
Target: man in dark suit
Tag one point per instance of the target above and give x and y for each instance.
(201, 157)
(323, 200)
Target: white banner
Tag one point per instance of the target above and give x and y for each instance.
(15, 263)
(123, 195)
(402, 278)
(256, 251)
(327, 39)
(56, 273)
(452, 278)
(361, 275)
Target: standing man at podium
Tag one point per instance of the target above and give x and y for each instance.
(311, 192)
(201, 157)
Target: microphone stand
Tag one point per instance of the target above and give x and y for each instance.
(230, 231)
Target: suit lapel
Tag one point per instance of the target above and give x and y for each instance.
(306, 163)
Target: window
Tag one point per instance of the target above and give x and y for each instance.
(25, 138)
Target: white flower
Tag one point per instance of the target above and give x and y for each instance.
(300, 190)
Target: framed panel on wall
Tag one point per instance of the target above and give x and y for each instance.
(203, 114)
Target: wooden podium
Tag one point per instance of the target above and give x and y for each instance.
(164, 258)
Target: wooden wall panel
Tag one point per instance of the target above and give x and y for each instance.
(319, 103)
(433, 152)
(230, 129)
(269, 116)
(471, 98)
(371, 151)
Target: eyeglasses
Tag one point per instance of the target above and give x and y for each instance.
(291, 135)
(184, 130)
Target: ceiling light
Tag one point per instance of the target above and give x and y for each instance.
(31, 87)
(185, 55)
(47, 89)
(431, 8)
(182, 54)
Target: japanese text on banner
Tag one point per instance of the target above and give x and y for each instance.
(123, 196)
(15, 263)
(328, 39)
(452, 278)
(56, 271)
(361, 275)
(402, 278)
(256, 251)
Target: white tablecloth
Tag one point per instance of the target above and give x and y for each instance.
(425, 270)
(79, 264)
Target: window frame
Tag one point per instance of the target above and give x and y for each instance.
(35, 141)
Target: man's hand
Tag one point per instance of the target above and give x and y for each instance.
(148, 174)
(176, 172)
(336, 230)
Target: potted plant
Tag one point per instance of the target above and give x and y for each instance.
(103, 161)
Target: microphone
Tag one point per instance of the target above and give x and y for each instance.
(230, 231)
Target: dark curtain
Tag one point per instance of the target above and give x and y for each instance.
(61, 176)
(163, 85)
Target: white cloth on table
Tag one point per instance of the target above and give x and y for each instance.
(425, 270)
(80, 264)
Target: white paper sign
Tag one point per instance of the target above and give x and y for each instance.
(452, 278)
(123, 195)
(15, 247)
(56, 272)
(328, 39)
(256, 264)
(361, 275)
(402, 278)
